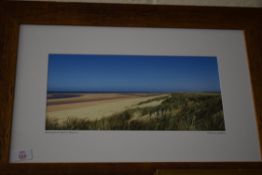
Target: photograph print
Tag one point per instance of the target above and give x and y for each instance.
(133, 92)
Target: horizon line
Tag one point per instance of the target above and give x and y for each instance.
(180, 91)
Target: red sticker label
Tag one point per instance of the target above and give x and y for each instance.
(22, 155)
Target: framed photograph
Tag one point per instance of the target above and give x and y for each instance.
(129, 89)
(119, 92)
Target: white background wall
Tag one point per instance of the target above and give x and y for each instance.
(234, 3)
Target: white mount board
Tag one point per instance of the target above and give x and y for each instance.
(238, 143)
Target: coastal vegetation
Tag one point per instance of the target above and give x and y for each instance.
(175, 111)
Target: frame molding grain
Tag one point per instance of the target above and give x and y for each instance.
(15, 13)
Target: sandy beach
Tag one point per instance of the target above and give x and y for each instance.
(93, 106)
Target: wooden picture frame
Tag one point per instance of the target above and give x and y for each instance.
(13, 14)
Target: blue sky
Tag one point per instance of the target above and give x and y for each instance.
(107, 73)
